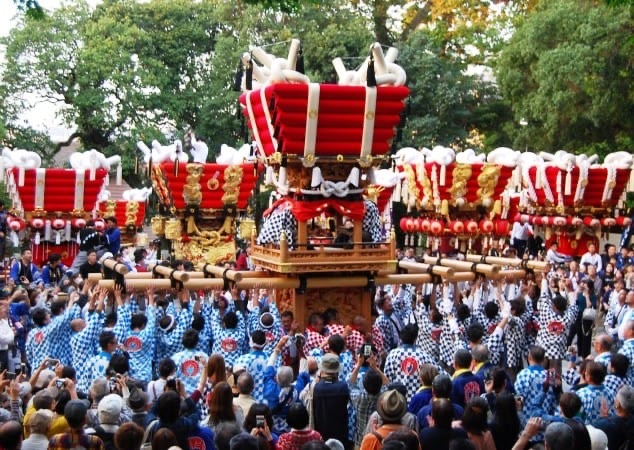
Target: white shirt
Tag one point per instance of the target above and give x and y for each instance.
(554, 257)
(629, 315)
(595, 260)
(6, 334)
(521, 231)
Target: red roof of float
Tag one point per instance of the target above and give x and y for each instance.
(60, 186)
(219, 185)
(278, 114)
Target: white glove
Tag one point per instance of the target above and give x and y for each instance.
(453, 325)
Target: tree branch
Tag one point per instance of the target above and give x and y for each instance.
(66, 143)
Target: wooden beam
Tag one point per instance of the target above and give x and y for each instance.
(540, 266)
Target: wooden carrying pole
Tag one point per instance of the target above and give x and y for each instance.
(141, 284)
(192, 275)
(115, 266)
(220, 272)
(511, 273)
(540, 266)
(424, 268)
(169, 273)
(486, 269)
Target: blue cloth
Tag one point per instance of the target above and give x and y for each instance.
(113, 238)
(465, 387)
(81, 343)
(188, 369)
(591, 399)
(40, 344)
(536, 402)
(15, 272)
(140, 347)
(255, 363)
(425, 411)
(201, 439)
(420, 399)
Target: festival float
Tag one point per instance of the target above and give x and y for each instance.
(51, 205)
(322, 242)
(464, 201)
(200, 201)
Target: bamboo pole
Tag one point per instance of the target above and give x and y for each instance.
(167, 272)
(216, 271)
(486, 269)
(423, 268)
(115, 266)
(511, 273)
(540, 266)
(192, 275)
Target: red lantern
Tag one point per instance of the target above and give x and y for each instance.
(536, 220)
(37, 223)
(425, 225)
(456, 226)
(100, 225)
(623, 221)
(502, 227)
(560, 221)
(403, 224)
(517, 218)
(436, 228)
(410, 225)
(58, 224)
(608, 222)
(486, 226)
(547, 220)
(16, 225)
(575, 221)
(79, 223)
(472, 227)
(591, 222)
(416, 225)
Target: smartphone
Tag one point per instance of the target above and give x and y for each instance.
(112, 383)
(10, 375)
(367, 350)
(23, 368)
(551, 377)
(259, 421)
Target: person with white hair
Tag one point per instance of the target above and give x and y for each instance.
(616, 427)
(279, 390)
(39, 425)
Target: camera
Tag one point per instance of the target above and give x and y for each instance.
(259, 421)
(367, 350)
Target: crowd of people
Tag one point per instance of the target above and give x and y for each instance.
(492, 364)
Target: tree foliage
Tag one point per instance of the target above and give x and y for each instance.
(126, 71)
(568, 72)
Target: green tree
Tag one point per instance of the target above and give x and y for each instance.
(568, 72)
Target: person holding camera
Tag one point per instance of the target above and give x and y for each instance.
(24, 271)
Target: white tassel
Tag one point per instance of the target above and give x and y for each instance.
(36, 241)
(78, 238)
(106, 182)
(67, 231)
(47, 230)
(538, 177)
(119, 174)
(58, 237)
(558, 183)
(21, 172)
(456, 244)
(316, 179)
(282, 177)
(443, 174)
(14, 239)
(396, 194)
(353, 178)
(568, 183)
(269, 176)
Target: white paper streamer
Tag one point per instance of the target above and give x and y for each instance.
(368, 121)
(312, 114)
